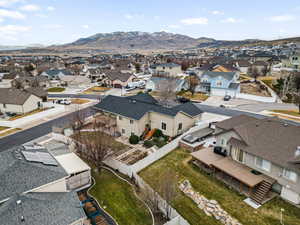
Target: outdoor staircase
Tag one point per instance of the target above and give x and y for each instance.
(261, 191)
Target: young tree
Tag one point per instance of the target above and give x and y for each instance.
(193, 83)
(166, 90)
(296, 100)
(167, 187)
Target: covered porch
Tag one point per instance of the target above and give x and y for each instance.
(235, 175)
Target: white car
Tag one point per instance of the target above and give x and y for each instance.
(64, 102)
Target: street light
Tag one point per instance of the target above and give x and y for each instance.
(281, 216)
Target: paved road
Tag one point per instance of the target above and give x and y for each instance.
(75, 96)
(37, 131)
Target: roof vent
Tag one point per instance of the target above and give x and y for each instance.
(19, 202)
(22, 219)
(285, 124)
(297, 152)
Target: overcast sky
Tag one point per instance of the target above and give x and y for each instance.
(46, 22)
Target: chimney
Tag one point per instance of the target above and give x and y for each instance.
(19, 202)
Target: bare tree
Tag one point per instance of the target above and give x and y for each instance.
(151, 198)
(166, 89)
(296, 100)
(167, 187)
(193, 83)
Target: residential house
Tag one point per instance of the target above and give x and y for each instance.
(219, 83)
(178, 84)
(293, 61)
(18, 101)
(257, 156)
(117, 79)
(7, 79)
(166, 69)
(26, 82)
(54, 74)
(243, 66)
(134, 114)
(35, 187)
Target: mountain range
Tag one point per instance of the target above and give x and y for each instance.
(136, 40)
(143, 41)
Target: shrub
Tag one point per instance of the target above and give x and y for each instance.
(158, 133)
(134, 139)
(148, 144)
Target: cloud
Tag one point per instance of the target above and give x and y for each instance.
(192, 21)
(231, 20)
(1, 20)
(53, 26)
(173, 26)
(282, 18)
(128, 16)
(5, 3)
(217, 12)
(85, 26)
(13, 29)
(156, 17)
(30, 8)
(4, 13)
(50, 8)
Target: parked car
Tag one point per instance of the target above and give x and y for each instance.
(64, 102)
(222, 106)
(227, 97)
(182, 99)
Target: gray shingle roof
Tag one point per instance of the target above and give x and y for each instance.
(226, 75)
(13, 96)
(19, 175)
(42, 208)
(136, 107)
(269, 138)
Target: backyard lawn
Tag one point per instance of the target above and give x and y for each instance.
(231, 201)
(56, 89)
(119, 200)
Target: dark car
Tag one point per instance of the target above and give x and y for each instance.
(227, 97)
(183, 99)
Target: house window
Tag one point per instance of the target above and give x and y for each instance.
(120, 118)
(223, 142)
(290, 175)
(123, 131)
(131, 121)
(180, 126)
(4, 106)
(263, 164)
(163, 126)
(219, 83)
(237, 154)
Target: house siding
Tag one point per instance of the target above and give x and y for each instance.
(290, 187)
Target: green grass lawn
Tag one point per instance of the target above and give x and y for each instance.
(56, 89)
(119, 199)
(231, 201)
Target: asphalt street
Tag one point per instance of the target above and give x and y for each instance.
(38, 131)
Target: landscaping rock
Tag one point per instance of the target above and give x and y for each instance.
(210, 207)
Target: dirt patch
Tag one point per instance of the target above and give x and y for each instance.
(79, 101)
(255, 89)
